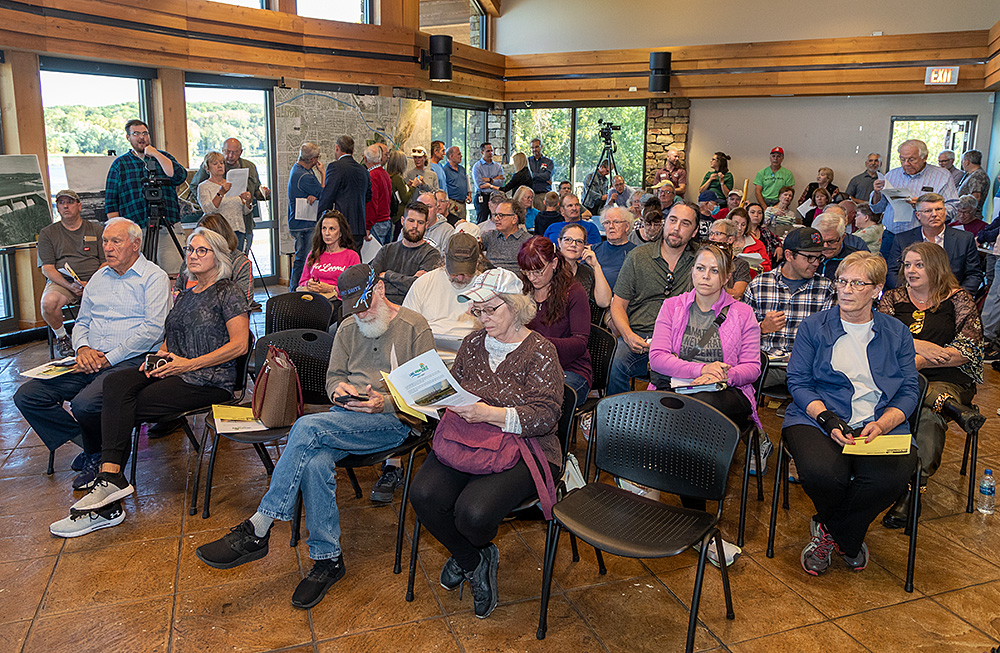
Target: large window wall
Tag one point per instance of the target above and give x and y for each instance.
(348, 11)
(464, 128)
(462, 20)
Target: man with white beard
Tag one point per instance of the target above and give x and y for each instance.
(374, 335)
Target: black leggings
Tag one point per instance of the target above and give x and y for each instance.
(733, 404)
(130, 397)
(849, 492)
(463, 511)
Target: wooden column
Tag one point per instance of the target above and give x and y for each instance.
(398, 13)
(21, 100)
(286, 6)
(170, 114)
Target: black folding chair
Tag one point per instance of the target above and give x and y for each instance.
(781, 480)
(751, 434)
(565, 422)
(666, 441)
(297, 310)
(601, 346)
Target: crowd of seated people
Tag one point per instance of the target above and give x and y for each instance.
(506, 302)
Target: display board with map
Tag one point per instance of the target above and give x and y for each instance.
(323, 116)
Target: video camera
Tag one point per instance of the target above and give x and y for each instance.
(606, 130)
(152, 185)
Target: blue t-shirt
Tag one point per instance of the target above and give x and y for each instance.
(529, 218)
(593, 235)
(611, 257)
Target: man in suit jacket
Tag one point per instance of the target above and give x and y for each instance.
(348, 188)
(958, 244)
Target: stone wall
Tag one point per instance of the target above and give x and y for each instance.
(496, 128)
(666, 127)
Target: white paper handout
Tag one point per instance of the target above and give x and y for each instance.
(51, 369)
(902, 210)
(238, 178)
(806, 207)
(426, 384)
(753, 259)
(369, 249)
(304, 210)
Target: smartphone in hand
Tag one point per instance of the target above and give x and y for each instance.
(344, 399)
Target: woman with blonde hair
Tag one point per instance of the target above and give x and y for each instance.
(212, 197)
(522, 175)
(824, 179)
(525, 197)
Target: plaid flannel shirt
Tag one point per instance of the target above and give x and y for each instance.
(768, 292)
(123, 190)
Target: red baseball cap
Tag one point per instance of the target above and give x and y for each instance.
(778, 150)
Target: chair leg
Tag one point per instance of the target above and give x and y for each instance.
(914, 513)
(601, 569)
(413, 559)
(354, 482)
(696, 597)
(197, 470)
(743, 494)
(135, 453)
(297, 521)
(974, 448)
(779, 471)
(551, 546)
(265, 457)
(720, 551)
(572, 544)
(190, 434)
(572, 431)
(397, 567)
(756, 453)
(965, 455)
(51, 469)
(208, 477)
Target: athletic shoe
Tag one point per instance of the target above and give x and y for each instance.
(765, 451)
(108, 488)
(64, 345)
(88, 473)
(483, 581)
(858, 562)
(81, 523)
(385, 486)
(814, 527)
(239, 546)
(815, 557)
(77, 464)
(452, 575)
(585, 424)
(318, 582)
(991, 353)
(731, 551)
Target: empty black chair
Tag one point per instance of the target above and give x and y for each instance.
(781, 480)
(751, 434)
(310, 351)
(297, 310)
(666, 441)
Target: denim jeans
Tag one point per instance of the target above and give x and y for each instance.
(382, 231)
(303, 243)
(315, 444)
(625, 367)
(41, 403)
(579, 384)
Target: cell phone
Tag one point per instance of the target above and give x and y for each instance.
(154, 361)
(704, 387)
(343, 399)
(69, 362)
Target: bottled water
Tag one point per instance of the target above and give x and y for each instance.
(987, 489)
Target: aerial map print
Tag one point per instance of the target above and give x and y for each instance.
(323, 116)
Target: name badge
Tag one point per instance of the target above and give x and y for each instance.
(927, 189)
(90, 238)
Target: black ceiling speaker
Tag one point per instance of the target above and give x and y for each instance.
(659, 75)
(438, 58)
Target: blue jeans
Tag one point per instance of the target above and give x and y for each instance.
(241, 240)
(315, 444)
(579, 384)
(41, 403)
(625, 367)
(382, 231)
(303, 243)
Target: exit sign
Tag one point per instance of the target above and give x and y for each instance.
(941, 76)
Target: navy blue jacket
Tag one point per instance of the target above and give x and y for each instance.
(960, 245)
(347, 188)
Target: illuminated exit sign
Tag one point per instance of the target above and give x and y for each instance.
(941, 76)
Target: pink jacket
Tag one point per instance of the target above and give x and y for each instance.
(739, 335)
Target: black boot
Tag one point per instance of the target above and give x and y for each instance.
(899, 514)
(968, 419)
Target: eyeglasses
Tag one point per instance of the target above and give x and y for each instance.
(909, 159)
(670, 283)
(832, 242)
(655, 221)
(197, 251)
(811, 258)
(936, 209)
(572, 241)
(533, 273)
(488, 311)
(504, 215)
(855, 284)
(617, 223)
(138, 133)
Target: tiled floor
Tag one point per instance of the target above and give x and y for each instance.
(139, 587)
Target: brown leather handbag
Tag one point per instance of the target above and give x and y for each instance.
(277, 393)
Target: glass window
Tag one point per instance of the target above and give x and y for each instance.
(954, 133)
(215, 114)
(462, 20)
(629, 142)
(465, 128)
(85, 114)
(552, 126)
(348, 11)
(256, 4)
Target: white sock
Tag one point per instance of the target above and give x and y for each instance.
(60, 332)
(394, 462)
(261, 524)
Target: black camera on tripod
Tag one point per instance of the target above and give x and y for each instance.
(607, 127)
(152, 186)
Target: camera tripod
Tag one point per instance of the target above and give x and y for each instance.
(151, 241)
(607, 158)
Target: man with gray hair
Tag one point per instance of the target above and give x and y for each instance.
(303, 184)
(347, 188)
(377, 222)
(946, 159)
(456, 182)
(917, 177)
(541, 168)
(832, 228)
(121, 318)
(611, 253)
(619, 193)
(859, 188)
(975, 181)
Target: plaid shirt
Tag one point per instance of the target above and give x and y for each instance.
(768, 292)
(123, 190)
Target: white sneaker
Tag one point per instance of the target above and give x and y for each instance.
(635, 488)
(731, 550)
(765, 452)
(81, 523)
(585, 423)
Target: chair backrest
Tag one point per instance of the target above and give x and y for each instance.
(914, 418)
(242, 363)
(758, 386)
(674, 443)
(297, 310)
(309, 349)
(597, 313)
(601, 346)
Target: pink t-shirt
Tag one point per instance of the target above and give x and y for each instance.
(329, 267)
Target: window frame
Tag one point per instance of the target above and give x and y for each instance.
(970, 142)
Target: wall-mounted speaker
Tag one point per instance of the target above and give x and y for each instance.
(659, 75)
